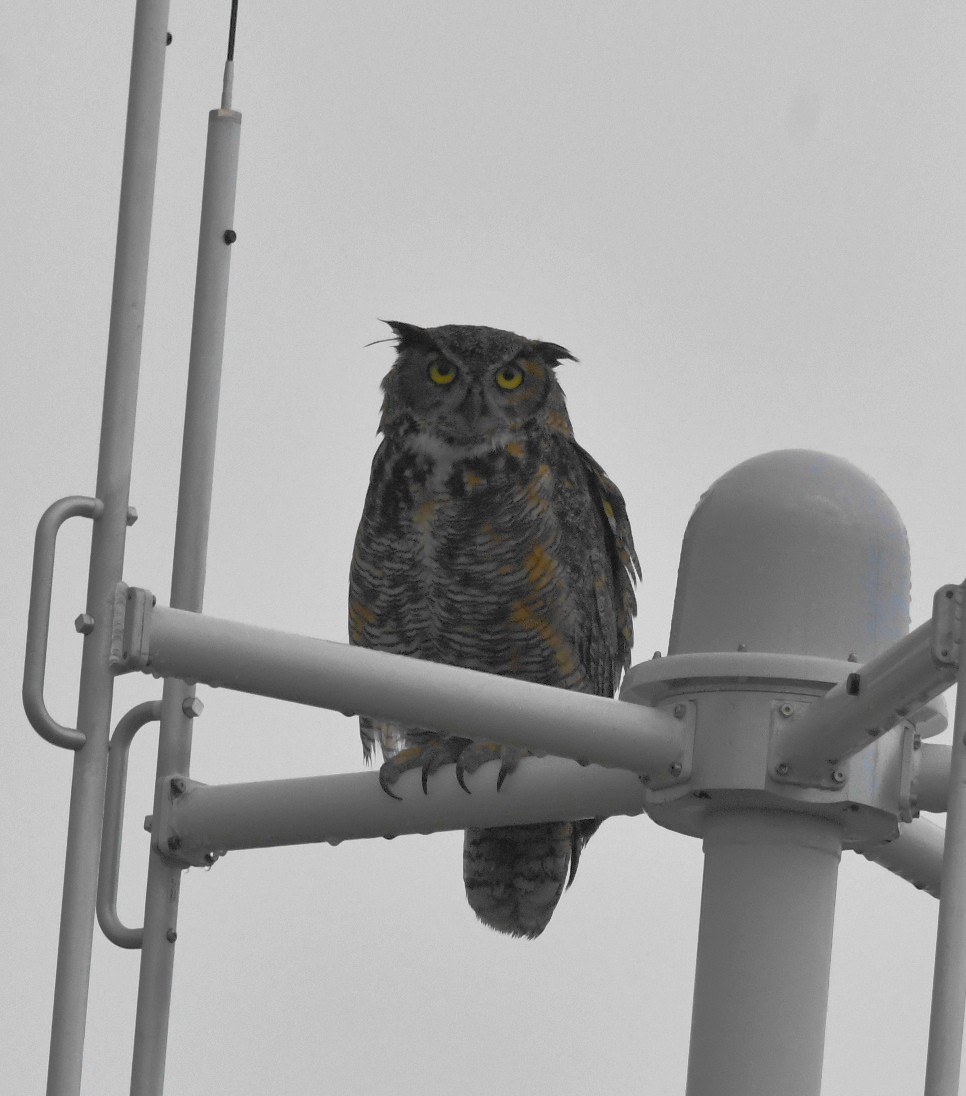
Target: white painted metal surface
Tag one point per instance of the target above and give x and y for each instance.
(949, 978)
(764, 954)
(107, 547)
(353, 680)
(188, 577)
(797, 552)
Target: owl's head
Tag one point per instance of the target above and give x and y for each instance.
(471, 385)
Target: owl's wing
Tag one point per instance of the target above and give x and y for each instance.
(608, 567)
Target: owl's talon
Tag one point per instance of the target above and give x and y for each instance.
(478, 753)
(384, 784)
(427, 758)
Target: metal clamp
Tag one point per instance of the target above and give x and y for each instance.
(38, 618)
(128, 726)
(947, 623)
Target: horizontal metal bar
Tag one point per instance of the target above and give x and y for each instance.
(916, 855)
(197, 648)
(869, 702)
(202, 819)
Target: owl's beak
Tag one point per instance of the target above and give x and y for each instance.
(468, 417)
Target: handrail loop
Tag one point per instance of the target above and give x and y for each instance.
(107, 917)
(38, 618)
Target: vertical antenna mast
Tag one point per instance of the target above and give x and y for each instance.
(179, 705)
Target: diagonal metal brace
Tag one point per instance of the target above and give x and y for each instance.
(197, 648)
(891, 687)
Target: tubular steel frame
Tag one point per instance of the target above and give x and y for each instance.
(770, 864)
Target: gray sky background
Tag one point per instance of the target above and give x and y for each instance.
(747, 222)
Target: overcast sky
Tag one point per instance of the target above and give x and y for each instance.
(746, 221)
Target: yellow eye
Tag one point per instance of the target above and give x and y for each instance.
(510, 377)
(442, 373)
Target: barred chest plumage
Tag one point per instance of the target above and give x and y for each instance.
(471, 558)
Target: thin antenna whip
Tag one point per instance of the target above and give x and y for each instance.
(230, 63)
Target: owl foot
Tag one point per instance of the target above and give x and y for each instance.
(478, 753)
(427, 758)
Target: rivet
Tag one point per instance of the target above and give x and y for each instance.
(132, 515)
(84, 624)
(838, 776)
(192, 707)
(782, 768)
(675, 768)
(785, 710)
(169, 39)
(680, 711)
(230, 236)
(177, 785)
(171, 936)
(174, 843)
(742, 647)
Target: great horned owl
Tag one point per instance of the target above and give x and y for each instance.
(490, 539)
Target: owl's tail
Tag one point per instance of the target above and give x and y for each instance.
(515, 875)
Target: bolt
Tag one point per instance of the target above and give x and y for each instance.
(675, 768)
(657, 654)
(838, 776)
(177, 785)
(171, 936)
(210, 858)
(782, 768)
(230, 236)
(785, 710)
(852, 657)
(192, 707)
(84, 624)
(680, 711)
(174, 843)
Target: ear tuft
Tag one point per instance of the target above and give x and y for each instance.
(552, 353)
(409, 334)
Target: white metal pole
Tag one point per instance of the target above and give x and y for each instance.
(764, 954)
(107, 546)
(349, 806)
(949, 979)
(355, 680)
(178, 704)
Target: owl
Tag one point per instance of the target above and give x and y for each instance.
(490, 539)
